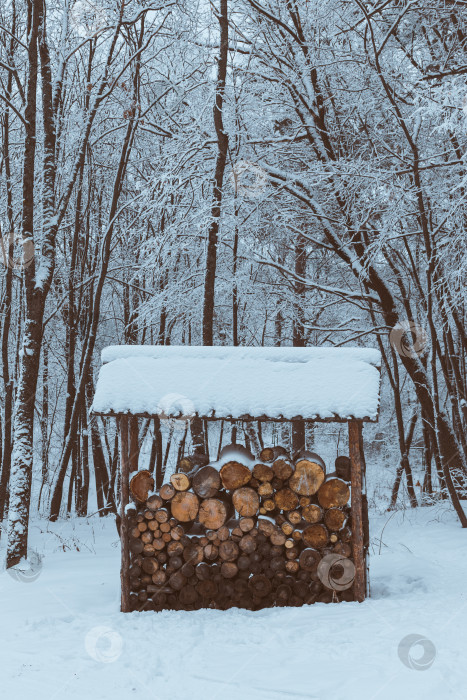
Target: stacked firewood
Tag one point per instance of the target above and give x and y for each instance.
(238, 536)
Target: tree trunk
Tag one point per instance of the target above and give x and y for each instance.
(222, 144)
(23, 427)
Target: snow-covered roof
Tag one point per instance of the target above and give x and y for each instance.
(273, 383)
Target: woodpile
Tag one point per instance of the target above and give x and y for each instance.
(241, 536)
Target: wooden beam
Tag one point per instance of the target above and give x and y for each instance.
(356, 477)
(124, 500)
(134, 447)
(245, 418)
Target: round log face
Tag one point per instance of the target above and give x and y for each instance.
(174, 548)
(136, 546)
(247, 544)
(245, 501)
(185, 506)
(229, 569)
(294, 517)
(234, 475)
(269, 505)
(315, 536)
(229, 551)
(311, 457)
(312, 513)
(282, 469)
(211, 552)
(286, 499)
(307, 478)
(140, 485)
(180, 482)
(206, 482)
(333, 493)
(267, 454)
(246, 524)
(263, 472)
(150, 566)
(212, 513)
(309, 559)
(185, 464)
(167, 492)
(334, 519)
(265, 489)
(277, 537)
(161, 515)
(266, 527)
(223, 533)
(154, 502)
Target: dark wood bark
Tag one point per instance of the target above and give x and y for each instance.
(357, 513)
(124, 500)
(23, 427)
(222, 146)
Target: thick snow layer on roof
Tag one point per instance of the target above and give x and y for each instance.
(225, 382)
(272, 354)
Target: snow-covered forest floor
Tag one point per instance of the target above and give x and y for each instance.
(62, 635)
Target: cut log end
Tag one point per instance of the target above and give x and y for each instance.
(307, 478)
(212, 513)
(140, 485)
(185, 506)
(234, 475)
(245, 501)
(333, 494)
(315, 536)
(180, 481)
(206, 482)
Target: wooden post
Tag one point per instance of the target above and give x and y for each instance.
(124, 500)
(366, 525)
(134, 448)
(356, 469)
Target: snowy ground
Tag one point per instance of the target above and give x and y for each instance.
(62, 636)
